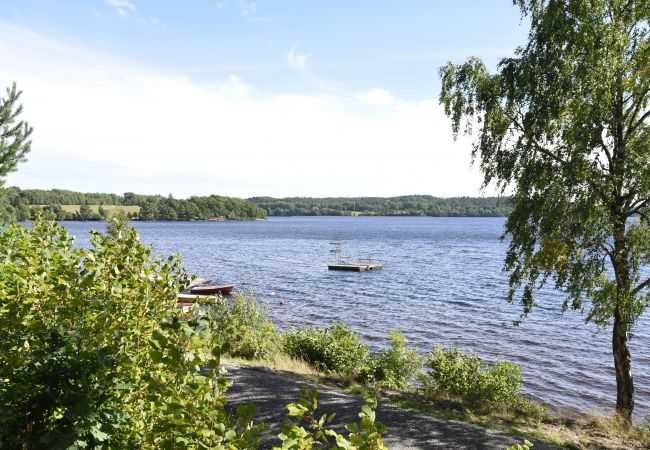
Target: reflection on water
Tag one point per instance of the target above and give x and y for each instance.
(441, 284)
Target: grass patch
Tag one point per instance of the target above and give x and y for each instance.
(492, 421)
(279, 362)
(594, 432)
(109, 208)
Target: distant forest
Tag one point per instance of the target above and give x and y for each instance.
(62, 204)
(408, 205)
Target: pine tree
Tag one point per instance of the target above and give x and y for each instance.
(14, 133)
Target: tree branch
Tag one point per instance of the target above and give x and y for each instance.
(550, 154)
(636, 209)
(641, 286)
(632, 128)
(636, 106)
(607, 250)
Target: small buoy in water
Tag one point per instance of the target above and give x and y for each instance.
(282, 302)
(272, 294)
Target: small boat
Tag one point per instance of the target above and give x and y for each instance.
(185, 306)
(188, 298)
(212, 290)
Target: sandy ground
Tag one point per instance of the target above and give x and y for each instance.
(270, 391)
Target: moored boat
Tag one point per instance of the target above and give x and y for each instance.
(212, 290)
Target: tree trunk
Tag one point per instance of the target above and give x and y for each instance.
(622, 318)
(623, 367)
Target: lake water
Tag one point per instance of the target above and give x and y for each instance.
(441, 284)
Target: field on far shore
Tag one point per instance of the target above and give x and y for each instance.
(109, 208)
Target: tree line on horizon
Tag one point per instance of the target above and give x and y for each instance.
(407, 205)
(24, 204)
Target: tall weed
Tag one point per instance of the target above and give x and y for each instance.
(470, 380)
(244, 323)
(365, 435)
(393, 368)
(335, 349)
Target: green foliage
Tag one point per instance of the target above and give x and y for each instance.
(14, 143)
(14, 133)
(527, 445)
(366, 435)
(94, 353)
(335, 349)
(117, 220)
(468, 379)
(393, 368)
(85, 213)
(564, 123)
(408, 205)
(244, 323)
(528, 409)
(188, 391)
(152, 207)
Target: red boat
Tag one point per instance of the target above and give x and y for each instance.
(212, 290)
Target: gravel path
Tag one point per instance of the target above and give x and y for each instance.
(270, 391)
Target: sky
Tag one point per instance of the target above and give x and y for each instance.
(241, 98)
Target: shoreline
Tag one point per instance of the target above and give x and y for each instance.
(251, 385)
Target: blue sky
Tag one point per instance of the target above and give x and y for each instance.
(269, 88)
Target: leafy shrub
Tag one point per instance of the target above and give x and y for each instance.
(366, 435)
(393, 368)
(470, 380)
(335, 349)
(244, 323)
(528, 409)
(94, 353)
(527, 445)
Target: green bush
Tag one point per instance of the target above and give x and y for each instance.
(366, 435)
(526, 445)
(243, 322)
(393, 368)
(528, 409)
(335, 349)
(470, 380)
(94, 353)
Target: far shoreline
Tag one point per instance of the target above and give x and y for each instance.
(287, 217)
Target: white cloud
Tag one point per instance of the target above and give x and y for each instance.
(233, 86)
(376, 96)
(122, 7)
(105, 124)
(297, 60)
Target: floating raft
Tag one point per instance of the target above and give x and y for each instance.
(354, 267)
(344, 262)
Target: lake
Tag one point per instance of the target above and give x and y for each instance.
(441, 284)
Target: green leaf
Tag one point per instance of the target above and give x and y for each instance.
(156, 356)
